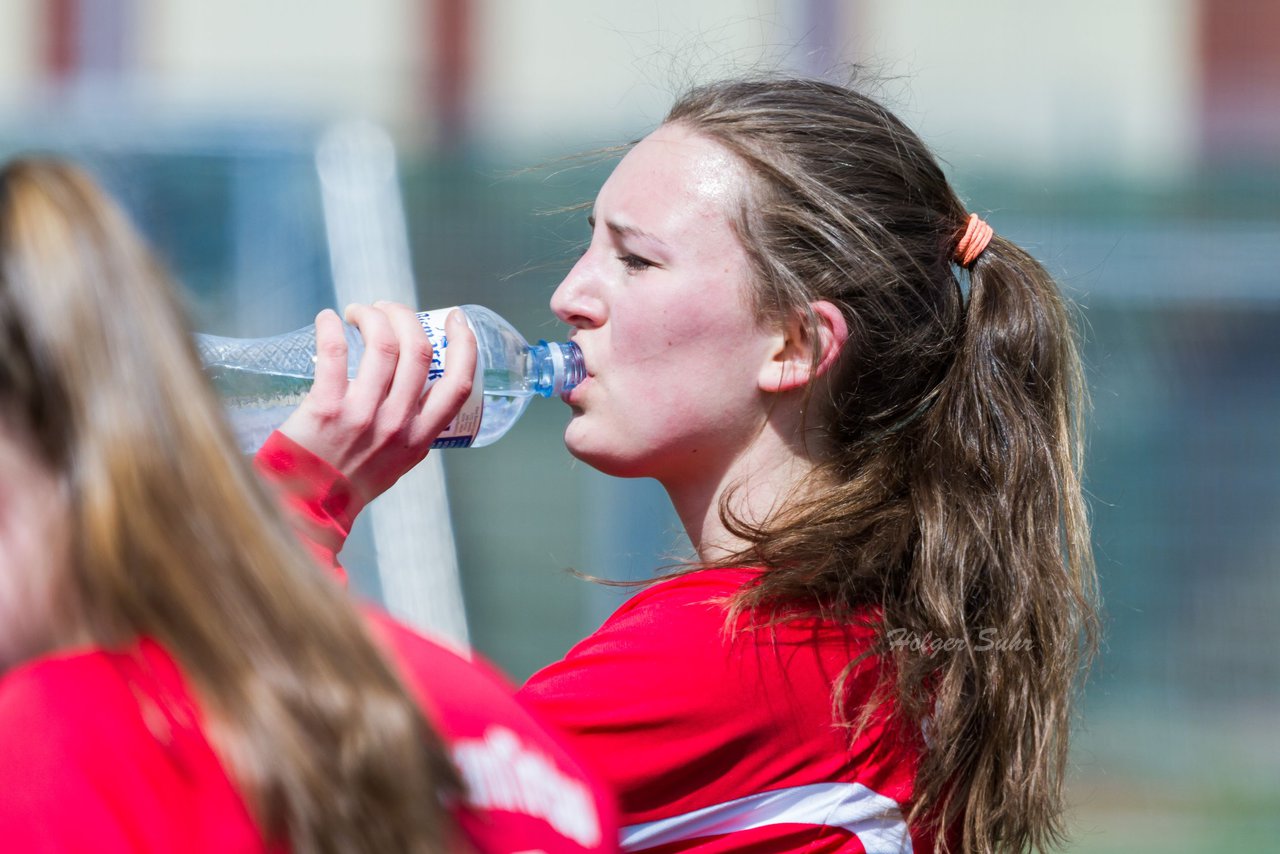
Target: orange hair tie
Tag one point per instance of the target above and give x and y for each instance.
(977, 234)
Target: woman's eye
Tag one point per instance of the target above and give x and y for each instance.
(634, 263)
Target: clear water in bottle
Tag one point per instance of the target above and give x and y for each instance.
(262, 380)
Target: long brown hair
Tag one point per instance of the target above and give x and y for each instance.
(950, 512)
(174, 538)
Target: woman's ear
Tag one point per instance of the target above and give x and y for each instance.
(791, 364)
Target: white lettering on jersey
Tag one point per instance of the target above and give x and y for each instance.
(503, 773)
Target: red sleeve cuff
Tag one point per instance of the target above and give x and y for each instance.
(318, 499)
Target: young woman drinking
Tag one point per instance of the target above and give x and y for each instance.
(865, 407)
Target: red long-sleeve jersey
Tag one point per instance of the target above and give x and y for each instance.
(719, 740)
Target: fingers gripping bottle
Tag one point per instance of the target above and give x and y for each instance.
(262, 380)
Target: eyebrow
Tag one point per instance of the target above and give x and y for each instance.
(629, 231)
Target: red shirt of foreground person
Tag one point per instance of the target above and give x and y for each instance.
(108, 746)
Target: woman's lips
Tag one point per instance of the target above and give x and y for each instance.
(570, 397)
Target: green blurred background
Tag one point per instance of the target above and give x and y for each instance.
(1133, 147)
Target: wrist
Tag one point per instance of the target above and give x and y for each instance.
(310, 481)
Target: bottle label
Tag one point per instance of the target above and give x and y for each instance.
(462, 431)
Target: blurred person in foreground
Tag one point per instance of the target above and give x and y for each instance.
(865, 407)
(176, 674)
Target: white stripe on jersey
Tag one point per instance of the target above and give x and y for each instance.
(873, 818)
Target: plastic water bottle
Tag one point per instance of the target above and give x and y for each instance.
(262, 380)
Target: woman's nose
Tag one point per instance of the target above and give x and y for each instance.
(578, 300)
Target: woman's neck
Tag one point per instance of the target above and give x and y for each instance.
(758, 481)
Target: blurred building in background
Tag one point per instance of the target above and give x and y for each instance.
(1134, 147)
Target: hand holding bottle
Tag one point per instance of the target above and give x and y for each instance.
(262, 380)
(376, 426)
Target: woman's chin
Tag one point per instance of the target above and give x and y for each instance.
(580, 443)
(598, 453)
